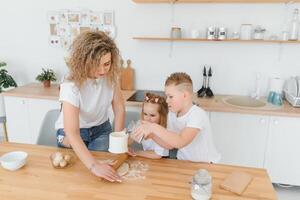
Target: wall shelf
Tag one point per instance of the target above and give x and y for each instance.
(214, 1)
(205, 40)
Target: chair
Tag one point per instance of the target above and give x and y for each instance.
(3, 121)
(47, 135)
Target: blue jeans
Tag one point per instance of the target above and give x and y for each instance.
(95, 138)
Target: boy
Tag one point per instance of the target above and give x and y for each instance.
(188, 127)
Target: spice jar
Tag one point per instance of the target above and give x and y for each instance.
(259, 33)
(176, 32)
(201, 185)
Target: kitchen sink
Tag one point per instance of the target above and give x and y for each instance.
(246, 102)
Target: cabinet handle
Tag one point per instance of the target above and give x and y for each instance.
(262, 121)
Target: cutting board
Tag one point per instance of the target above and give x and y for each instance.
(127, 77)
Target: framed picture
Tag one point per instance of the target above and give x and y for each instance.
(97, 27)
(110, 31)
(63, 17)
(74, 31)
(66, 42)
(73, 17)
(108, 18)
(54, 41)
(96, 18)
(64, 30)
(83, 29)
(85, 18)
(53, 29)
(53, 17)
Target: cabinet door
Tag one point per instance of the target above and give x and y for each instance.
(18, 128)
(283, 150)
(241, 139)
(37, 109)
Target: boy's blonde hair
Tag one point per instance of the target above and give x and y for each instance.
(86, 52)
(162, 107)
(182, 80)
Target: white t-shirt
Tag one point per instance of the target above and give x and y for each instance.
(202, 148)
(94, 100)
(150, 145)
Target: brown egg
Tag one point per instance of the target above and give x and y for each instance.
(67, 158)
(63, 163)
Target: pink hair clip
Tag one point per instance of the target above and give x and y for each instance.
(156, 100)
(147, 98)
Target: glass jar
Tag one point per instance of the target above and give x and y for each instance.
(246, 31)
(176, 32)
(201, 185)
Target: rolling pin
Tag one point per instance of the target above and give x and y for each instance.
(120, 160)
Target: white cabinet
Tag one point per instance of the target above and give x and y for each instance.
(283, 150)
(241, 139)
(25, 117)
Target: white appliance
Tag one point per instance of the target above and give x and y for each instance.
(292, 91)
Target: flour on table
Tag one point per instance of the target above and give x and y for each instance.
(130, 170)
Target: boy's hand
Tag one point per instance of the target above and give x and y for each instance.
(142, 132)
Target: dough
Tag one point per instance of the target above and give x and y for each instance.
(123, 169)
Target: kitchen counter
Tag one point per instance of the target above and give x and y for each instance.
(165, 179)
(215, 104)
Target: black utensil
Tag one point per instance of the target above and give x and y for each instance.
(201, 92)
(208, 91)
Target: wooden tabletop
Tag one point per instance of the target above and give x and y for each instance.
(165, 180)
(215, 104)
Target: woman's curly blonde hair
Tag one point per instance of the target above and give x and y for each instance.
(86, 52)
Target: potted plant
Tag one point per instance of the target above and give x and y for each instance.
(6, 81)
(46, 77)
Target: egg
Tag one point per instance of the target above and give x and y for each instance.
(55, 163)
(63, 163)
(58, 157)
(67, 158)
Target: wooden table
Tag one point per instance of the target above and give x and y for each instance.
(165, 180)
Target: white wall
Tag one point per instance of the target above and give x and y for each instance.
(24, 42)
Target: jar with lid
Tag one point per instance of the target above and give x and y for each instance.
(201, 185)
(176, 32)
(259, 33)
(246, 32)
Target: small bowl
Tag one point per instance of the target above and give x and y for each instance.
(13, 160)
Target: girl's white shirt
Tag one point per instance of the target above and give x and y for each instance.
(93, 98)
(150, 145)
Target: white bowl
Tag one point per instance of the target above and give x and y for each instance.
(13, 160)
(118, 142)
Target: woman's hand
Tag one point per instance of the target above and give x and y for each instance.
(105, 171)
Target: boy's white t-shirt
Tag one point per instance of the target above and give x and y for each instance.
(150, 145)
(202, 148)
(94, 99)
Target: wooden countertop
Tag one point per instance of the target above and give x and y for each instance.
(165, 179)
(215, 104)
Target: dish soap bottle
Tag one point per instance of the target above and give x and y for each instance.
(294, 26)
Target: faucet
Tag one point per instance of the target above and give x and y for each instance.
(256, 93)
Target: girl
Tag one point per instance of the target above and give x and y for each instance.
(86, 95)
(154, 110)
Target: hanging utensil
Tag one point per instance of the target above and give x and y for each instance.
(201, 92)
(209, 92)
